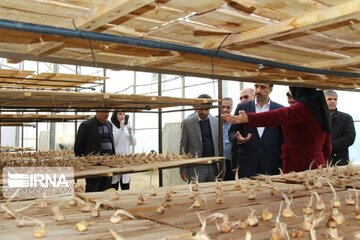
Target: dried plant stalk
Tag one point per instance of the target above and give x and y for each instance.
(266, 215)
(252, 219)
(198, 199)
(280, 230)
(308, 210)
(115, 218)
(115, 235)
(201, 235)
(160, 209)
(335, 202)
(319, 205)
(82, 226)
(287, 212)
(40, 231)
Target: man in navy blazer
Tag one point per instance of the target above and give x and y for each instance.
(256, 150)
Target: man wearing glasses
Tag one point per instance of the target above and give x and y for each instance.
(246, 95)
(256, 150)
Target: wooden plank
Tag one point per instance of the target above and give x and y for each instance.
(50, 8)
(293, 25)
(40, 117)
(178, 219)
(129, 229)
(236, 205)
(108, 11)
(341, 177)
(199, 6)
(91, 171)
(277, 10)
(181, 200)
(83, 100)
(13, 124)
(323, 45)
(14, 149)
(113, 62)
(31, 17)
(335, 63)
(95, 18)
(16, 78)
(184, 31)
(230, 19)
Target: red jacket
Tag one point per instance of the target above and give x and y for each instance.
(305, 140)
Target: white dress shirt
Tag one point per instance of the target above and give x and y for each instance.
(259, 109)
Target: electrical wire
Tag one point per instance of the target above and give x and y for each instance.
(212, 61)
(91, 49)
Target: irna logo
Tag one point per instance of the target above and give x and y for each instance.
(35, 182)
(22, 180)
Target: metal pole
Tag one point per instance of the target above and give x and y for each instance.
(21, 66)
(183, 96)
(160, 130)
(104, 82)
(76, 113)
(52, 124)
(0, 132)
(221, 145)
(37, 124)
(133, 119)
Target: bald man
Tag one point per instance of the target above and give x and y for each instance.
(246, 95)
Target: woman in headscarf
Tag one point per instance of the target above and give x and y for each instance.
(306, 129)
(124, 138)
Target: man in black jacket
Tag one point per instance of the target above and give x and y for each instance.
(342, 130)
(94, 137)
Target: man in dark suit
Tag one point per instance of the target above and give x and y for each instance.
(95, 136)
(256, 150)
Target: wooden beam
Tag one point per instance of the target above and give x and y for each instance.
(90, 101)
(293, 25)
(40, 117)
(100, 15)
(335, 63)
(306, 49)
(13, 60)
(235, 76)
(107, 12)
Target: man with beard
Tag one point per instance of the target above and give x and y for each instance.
(257, 150)
(305, 125)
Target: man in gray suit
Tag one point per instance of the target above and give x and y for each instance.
(200, 137)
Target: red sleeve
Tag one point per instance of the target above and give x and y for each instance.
(327, 147)
(281, 116)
